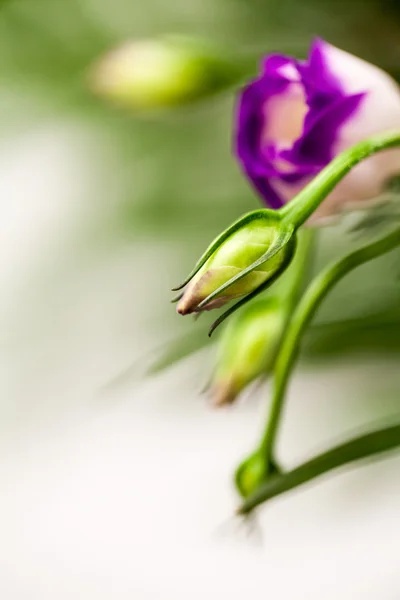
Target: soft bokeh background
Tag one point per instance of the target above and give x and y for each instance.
(119, 486)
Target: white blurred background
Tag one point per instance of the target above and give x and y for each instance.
(122, 487)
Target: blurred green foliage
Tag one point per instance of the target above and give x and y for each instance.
(177, 180)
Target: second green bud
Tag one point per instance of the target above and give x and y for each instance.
(247, 348)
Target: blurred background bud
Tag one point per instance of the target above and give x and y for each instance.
(153, 74)
(248, 348)
(250, 240)
(252, 472)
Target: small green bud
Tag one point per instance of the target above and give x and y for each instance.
(163, 73)
(241, 262)
(252, 472)
(248, 348)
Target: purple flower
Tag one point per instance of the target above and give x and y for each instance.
(298, 115)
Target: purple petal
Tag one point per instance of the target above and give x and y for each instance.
(265, 188)
(328, 108)
(314, 149)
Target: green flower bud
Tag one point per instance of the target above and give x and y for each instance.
(248, 348)
(162, 73)
(252, 472)
(241, 262)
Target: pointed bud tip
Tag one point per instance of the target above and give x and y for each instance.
(184, 306)
(223, 393)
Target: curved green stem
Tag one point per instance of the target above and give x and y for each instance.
(307, 201)
(305, 311)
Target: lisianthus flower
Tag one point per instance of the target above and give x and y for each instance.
(298, 115)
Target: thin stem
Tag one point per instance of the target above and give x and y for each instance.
(307, 201)
(305, 311)
(299, 269)
(289, 294)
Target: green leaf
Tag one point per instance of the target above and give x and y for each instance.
(177, 350)
(369, 444)
(377, 332)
